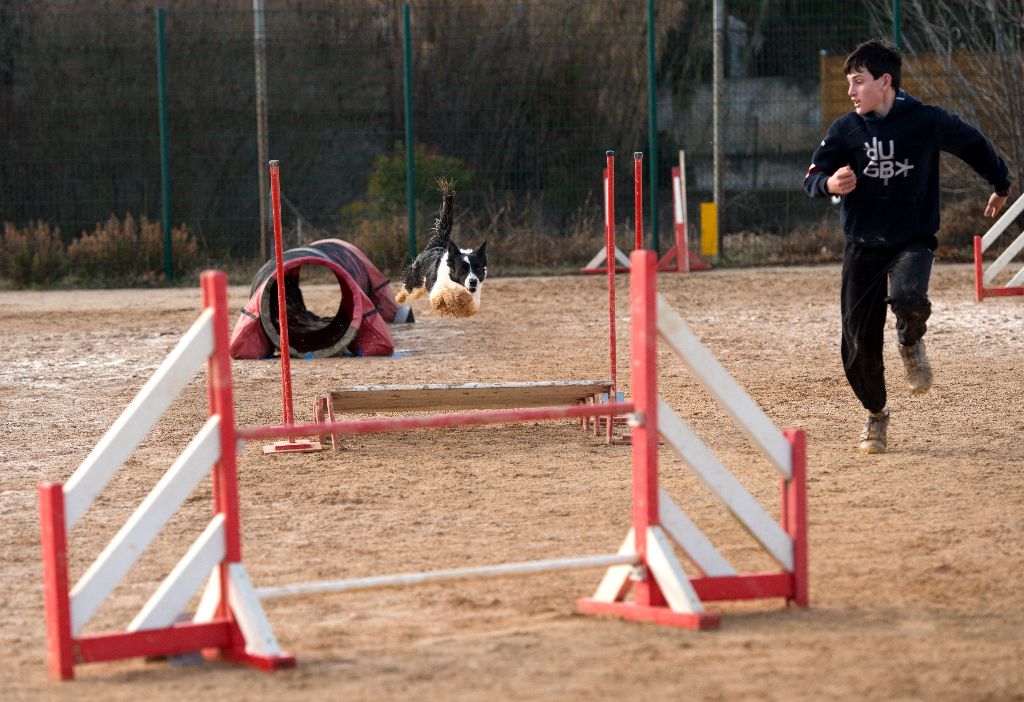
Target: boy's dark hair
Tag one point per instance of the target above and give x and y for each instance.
(878, 57)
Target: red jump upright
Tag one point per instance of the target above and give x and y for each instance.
(661, 591)
(230, 621)
(984, 278)
(290, 444)
(679, 257)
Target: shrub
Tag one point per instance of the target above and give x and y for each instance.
(960, 222)
(521, 242)
(386, 190)
(387, 186)
(35, 255)
(818, 243)
(378, 224)
(130, 252)
(384, 240)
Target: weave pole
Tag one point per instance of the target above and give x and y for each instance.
(638, 197)
(290, 445)
(609, 238)
(681, 218)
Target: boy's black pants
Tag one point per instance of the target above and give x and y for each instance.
(872, 279)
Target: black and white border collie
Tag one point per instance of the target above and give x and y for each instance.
(442, 269)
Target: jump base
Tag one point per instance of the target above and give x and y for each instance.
(656, 615)
(300, 446)
(265, 663)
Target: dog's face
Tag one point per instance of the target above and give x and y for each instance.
(467, 267)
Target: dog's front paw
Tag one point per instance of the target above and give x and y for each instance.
(453, 302)
(401, 296)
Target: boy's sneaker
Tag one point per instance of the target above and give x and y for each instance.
(919, 370)
(872, 439)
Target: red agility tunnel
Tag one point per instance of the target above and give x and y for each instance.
(358, 327)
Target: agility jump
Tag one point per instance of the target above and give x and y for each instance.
(679, 258)
(984, 277)
(415, 397)
(464, 396)
(230, 618)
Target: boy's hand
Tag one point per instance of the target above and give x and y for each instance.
(841, 182)
(995, 203)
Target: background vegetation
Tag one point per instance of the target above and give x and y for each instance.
(517, 100)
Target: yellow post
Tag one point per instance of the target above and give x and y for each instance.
(708, 229)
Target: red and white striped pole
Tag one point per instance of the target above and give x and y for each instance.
(609, 239)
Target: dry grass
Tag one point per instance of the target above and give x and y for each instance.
(35, 255)
(130, 252)
(117, 252)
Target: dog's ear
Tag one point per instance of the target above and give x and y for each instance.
(482, 251)
(453, 251)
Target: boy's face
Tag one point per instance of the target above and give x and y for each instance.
(867, 92)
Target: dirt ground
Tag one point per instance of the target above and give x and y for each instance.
(916, 556)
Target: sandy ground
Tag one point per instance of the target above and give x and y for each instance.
(916, 556)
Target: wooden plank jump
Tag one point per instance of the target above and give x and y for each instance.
(402, 398)
(466, 396)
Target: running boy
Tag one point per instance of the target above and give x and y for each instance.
(883, 159)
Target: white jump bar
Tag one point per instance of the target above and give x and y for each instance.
(407, 579)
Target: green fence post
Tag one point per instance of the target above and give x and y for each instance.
(165, 169)
(652, 129)
(410, 167)
(897, 40)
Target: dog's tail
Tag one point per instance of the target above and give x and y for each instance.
(443, 224)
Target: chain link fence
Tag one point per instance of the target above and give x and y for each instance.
(519, 99)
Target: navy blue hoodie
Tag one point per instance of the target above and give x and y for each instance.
(896, 160)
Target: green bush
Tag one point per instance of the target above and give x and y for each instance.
(386, 190)
(378, 225)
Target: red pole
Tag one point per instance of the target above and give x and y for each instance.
(795, 514)
(609, 239)
(214, 287)
(433, 421)
(57, 605)
(979, 285)
(645, 399)
(225, 476)
(638, 197)
(282, 310)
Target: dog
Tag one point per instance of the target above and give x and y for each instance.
(453, 277)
